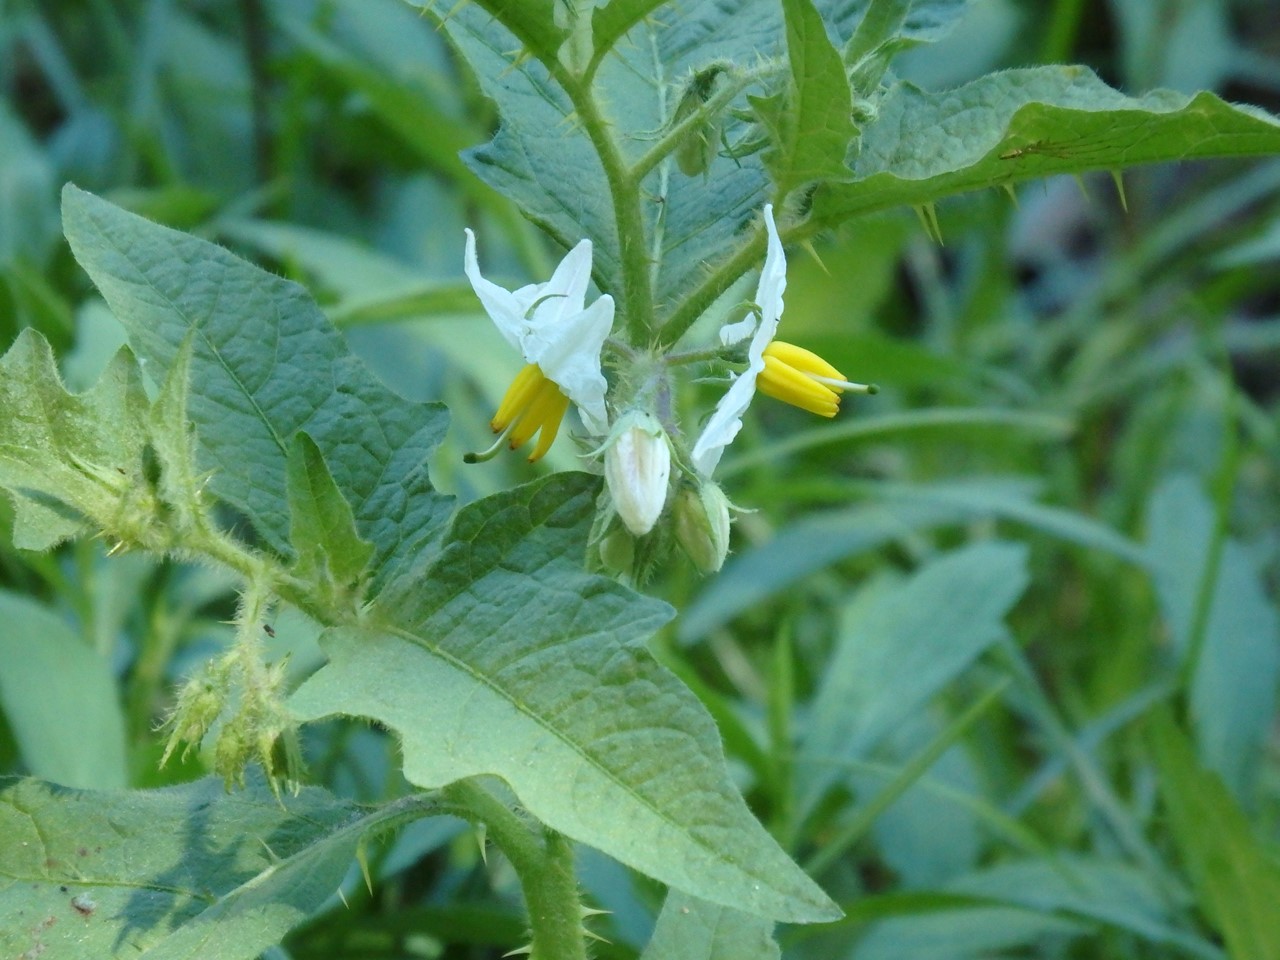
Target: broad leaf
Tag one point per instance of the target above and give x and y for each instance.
(692, 929)
(265, 364)
(67, 458)
(507, 659)
(1022, 124)
(175, 874)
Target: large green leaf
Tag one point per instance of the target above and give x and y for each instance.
(265, 364)
(1022, 124)
(67, 458)
(60, 699)
(505, 658)
(176, 874)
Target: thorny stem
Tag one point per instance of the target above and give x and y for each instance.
(543, 860)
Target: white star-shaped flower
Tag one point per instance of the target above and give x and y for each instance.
(726, 421)
(556, 332)
(780, 370)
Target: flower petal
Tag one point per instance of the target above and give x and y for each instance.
(568, 352)
(505, 308)
(726, 421)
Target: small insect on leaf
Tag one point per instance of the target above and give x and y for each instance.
(83, 905)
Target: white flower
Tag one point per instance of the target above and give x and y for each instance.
(637, 468)
(726, 421)
(551, 326)
(777, 369)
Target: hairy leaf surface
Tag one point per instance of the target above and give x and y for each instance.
(175, 874)
(507, 659)
(265, 364)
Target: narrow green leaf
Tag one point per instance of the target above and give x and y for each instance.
(60, 699)
(1236, 884)
(692, 929)
(66, 457)
(892, 511)
(323, 529)
(900, 646)
(1233, 688)
(811, 127)
(505, 658)
(1022, 124)
(176, 874)
(266, 364)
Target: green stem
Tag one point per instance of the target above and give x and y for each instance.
(674, 136)
(543, 860)
(633, 257)
(716, 283)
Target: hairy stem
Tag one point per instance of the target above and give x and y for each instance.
(543, 859)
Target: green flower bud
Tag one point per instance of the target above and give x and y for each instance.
(698, 149)
(618, 552)
(702, 525)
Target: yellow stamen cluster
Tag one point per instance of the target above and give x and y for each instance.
(532, 404)
(803, 379)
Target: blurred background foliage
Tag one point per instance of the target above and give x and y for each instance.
(942, 652)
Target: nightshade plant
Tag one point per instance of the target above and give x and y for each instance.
(672, 149)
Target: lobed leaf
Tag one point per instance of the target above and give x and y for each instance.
(69, 458)
(265, 365)
(1021, 124)
(507, 659)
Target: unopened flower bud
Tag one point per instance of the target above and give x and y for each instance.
(702, 525)
(637, 468)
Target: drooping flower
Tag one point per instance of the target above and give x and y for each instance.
(778, 369)
(560, 338)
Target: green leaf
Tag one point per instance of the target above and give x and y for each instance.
(175, 874)
(532, 22)
(60, 699)
(811, 126)
(814, 542)
(541, 158)
(692, 929)
(902, 644)
(505, 658)
(1111, 894)
(266, 364)
(323, 529)
(66, 457)
(1022, 124)
(1237, 885)
(1233, 688)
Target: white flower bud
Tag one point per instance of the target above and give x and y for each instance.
(637, 468)
(702, 525)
